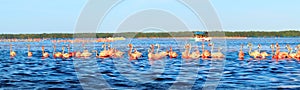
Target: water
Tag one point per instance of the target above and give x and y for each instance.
(36, 73)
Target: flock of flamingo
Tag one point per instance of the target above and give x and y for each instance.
(77, 40)
(134, 54)
(277, 54)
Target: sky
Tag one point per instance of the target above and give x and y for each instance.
(60, 16)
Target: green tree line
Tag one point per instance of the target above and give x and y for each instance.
(153, 34)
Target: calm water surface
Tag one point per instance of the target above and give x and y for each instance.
(92, 73)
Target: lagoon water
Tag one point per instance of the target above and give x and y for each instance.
(22, 72)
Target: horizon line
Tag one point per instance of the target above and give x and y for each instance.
(155, 32)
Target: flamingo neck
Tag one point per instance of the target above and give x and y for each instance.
(250, 49)
(152, 49)
(202, 47)
(277, 49)
(290, 50)
(272, 51)
(157, 49)
(69, 49)
(63, 51)
(96, 53)
(241, 48)
(43, 51)
(129, 51)
(10, 48)
(54, 49)
(212, 49)
(189, 50)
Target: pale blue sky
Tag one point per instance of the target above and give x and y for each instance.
(55, 16)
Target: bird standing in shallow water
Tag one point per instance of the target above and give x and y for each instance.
(255, 54)
(104, 53)
(272, 47)
(298, 52)
(186, 53)
(85, 53)
(65, 55)
(135, 55)
(290, 51)
(278, 54)
(205, 53)
(44, 54)
(56, 54)
(196, 54)
(72, 54)
(12, 53)
(262, 54)
(241, 53)
(151, 55)
(172, 54)
(218, 54)
(161, 54)
(29, 54)
(117, 53)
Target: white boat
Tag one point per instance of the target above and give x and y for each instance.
(206, 39)
(201, 36)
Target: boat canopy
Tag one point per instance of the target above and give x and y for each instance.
(200, 33)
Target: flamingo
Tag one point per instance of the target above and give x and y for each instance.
(56, 54)
(110, 50)
(262, 54)
(290, 51)
(65, 55)
(96, 53)
(241, 53)
(161, 54)
(44, 54)
(298, 52)
(151, 55)
(255, 53)
(132, 56)
(205, 53)
(186, 53)
(278, 54)
(29, 54)
(85, 53)
(196, 54)
(12, 53)
(104, 53)
(72, 54)
(172, 54)
(78, 54)
(139, 54)
(218, 54)
(272, 47)
(117, 53)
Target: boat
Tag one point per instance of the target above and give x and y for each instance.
(110, 39)
(201, 36)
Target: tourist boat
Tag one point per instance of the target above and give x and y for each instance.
(201, 36)
(110, 39)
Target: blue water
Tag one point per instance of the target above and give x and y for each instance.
(22, 72)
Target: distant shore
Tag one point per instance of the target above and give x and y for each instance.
(183, 34)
